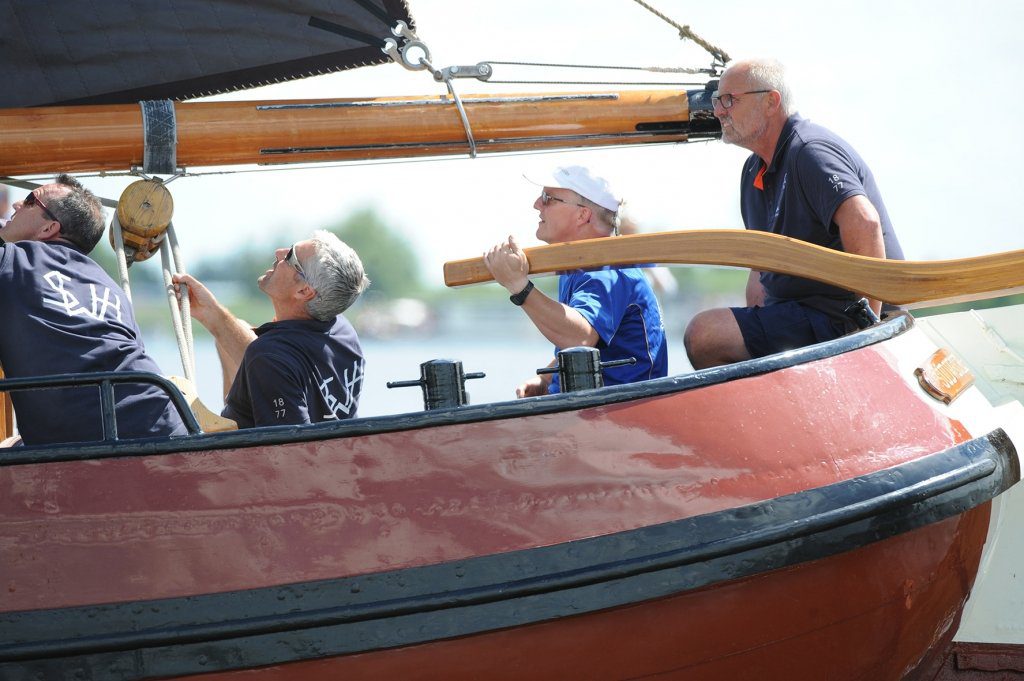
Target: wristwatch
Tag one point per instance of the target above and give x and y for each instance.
(520, 298)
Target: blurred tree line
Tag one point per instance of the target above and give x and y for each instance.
(394, 269)
(389, 261)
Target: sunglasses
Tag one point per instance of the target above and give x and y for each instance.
(33, 200)
(293, 260)
(546, 199)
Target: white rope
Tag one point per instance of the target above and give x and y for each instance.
(122, 262)
(186, 311)
(185, 346)
(685, 33)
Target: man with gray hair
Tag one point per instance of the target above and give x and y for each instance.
(305, 366)
(612, 308)
(804, 182)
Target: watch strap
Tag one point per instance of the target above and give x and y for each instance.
(520, 298)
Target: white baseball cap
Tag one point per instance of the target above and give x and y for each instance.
(580, 180)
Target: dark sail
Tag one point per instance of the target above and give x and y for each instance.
(74, 52)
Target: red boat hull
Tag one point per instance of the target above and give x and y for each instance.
(814, 515)
(185, 524)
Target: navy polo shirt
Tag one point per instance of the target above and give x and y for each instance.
(812, 172)
(63, 314)
(297, 371)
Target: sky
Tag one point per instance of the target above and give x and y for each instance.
(927, 92)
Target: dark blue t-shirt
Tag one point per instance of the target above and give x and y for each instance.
(297, 371)
(63, 314)
(812, 172)
(621, 306)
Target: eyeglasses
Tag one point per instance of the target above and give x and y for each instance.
(33, 200)
(726, 101)
(293, 260)
(546, 199)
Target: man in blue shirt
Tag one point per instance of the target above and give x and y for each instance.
(804, 182)
(63, 314)
(305, 366)
(611, 308)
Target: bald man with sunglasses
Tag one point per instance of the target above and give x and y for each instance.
(305, 366)
(62, 314)
(612, 308)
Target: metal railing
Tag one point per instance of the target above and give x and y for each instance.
(105, 381)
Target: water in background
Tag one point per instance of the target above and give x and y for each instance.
(507, 360)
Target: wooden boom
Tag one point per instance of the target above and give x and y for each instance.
(894, 281)
(110, 137)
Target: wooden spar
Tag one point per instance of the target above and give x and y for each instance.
(110, 137)
(894, 281)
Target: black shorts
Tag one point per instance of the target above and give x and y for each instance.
(784, 326)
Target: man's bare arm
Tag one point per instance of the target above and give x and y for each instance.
(860, 229)
(231, 334)
(560, 324)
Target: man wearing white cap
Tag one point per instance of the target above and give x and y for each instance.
(612, 308)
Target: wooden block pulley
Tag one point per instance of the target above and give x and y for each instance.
(144, 211)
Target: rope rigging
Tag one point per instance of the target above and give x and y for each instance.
(720, 56)
(140, 226)
(713, 71)
(413, 54)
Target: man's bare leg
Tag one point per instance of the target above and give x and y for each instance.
(713, 338)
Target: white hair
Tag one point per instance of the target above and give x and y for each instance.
(336, 272)
(768, 74)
